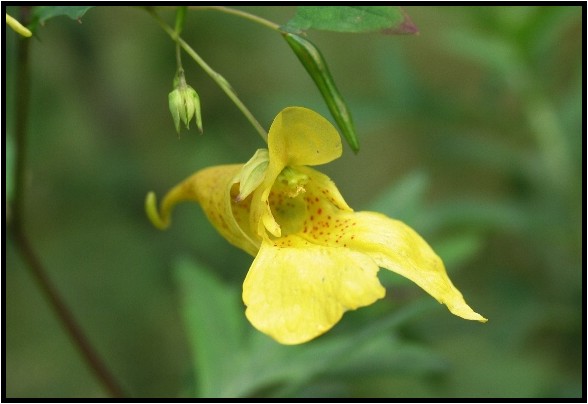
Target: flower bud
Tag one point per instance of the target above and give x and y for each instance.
(184, 104)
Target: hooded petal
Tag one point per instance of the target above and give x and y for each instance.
(216, 189)
(298, 136)
(296, 291)
(397, 247)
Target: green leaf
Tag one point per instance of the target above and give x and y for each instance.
(390, 19)
(43, 13)
(213, 317)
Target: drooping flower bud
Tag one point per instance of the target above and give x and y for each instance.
(184, 103)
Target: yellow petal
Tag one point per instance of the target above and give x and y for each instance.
(296, 291)
(321, 221)
(397, 247)
(215, 189)
(298, 136)
(322, 187)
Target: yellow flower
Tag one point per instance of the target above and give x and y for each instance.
(315, 258)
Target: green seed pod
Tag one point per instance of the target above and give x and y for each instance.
(316, 66)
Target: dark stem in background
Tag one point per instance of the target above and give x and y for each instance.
(22, 242)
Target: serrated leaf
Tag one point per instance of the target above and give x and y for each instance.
(214, 320)
(43, 13)
(355, 19)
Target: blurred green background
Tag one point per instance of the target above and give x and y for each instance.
(471, 132)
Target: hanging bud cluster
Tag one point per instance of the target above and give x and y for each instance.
(184, 103)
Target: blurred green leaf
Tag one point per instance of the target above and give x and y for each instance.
(493, 371)
(282, 368)
(9, 166)
(488, 152)
(385, 354)
(489, 51)
(478, 215)
(456, 250)
(352, 19)
(43, 13)
(286, 369)
(213, 318)
(404, 199)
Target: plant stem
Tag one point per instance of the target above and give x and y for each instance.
(21, 239)
(180, 18)
(220, 80)
(66, 317)
(20, 127)
(242, 14)
(179, 57)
